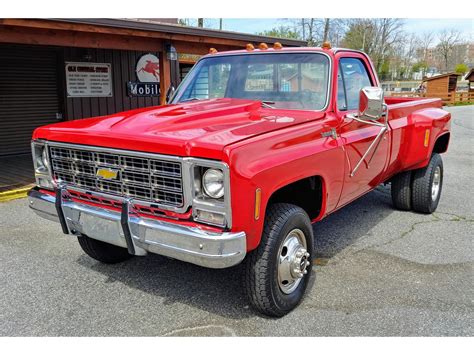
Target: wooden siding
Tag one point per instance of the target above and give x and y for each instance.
(123, 70)
(438, 86)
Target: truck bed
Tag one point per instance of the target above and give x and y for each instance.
(399, 102)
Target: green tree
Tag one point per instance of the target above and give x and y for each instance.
(280, 32)
(420, 66)
(376, 37)
(384, 70)
(461, 68)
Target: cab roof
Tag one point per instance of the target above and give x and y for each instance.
(282, 50)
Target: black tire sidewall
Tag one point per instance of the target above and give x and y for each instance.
(286, 302)
(102, 251)
(435, 162)
(422, 186)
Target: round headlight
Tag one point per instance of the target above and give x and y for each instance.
(213, 183)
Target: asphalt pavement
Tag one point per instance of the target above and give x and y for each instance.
(379, 272)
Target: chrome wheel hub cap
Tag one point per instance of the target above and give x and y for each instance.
(292, 261)
(436, 183)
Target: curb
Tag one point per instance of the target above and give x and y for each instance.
(15, 194)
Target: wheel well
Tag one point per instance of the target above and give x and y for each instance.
(441, 144)
(306, 193)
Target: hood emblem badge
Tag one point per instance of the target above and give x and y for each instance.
(107, 174)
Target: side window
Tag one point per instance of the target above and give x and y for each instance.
(354, 77)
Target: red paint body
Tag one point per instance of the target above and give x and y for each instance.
(271, 148)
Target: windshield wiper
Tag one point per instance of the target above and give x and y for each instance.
(268, 104)
(190, 99)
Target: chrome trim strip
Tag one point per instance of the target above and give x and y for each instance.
(190, 244)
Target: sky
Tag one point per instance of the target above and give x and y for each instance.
(466, 26)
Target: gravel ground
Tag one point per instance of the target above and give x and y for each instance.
(379, 272)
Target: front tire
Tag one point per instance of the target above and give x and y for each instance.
(277, 272)
(103, 252)
(427, 185)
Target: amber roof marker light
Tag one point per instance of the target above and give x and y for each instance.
(249, 47)
(277, 45)
(263, 46)
(212, 50)
(326, 45)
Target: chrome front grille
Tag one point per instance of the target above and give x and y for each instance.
(142, 178)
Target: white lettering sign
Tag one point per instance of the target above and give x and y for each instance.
(88, 79)
(143, 89)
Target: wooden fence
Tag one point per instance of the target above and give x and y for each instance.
(448, 99)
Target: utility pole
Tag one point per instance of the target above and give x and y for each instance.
(302, 27)
(220, 24)
(326, 30)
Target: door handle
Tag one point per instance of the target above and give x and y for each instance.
(332, 133)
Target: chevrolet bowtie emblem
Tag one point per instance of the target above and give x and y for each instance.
(107, 174)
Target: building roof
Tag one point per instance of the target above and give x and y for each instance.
(441, 76)
(179, 29)
(470, 75)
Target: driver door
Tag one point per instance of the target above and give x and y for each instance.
(353, 75)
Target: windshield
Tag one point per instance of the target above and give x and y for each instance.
(285, 80)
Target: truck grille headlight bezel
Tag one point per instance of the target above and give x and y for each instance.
(203, 203)
(42, 165)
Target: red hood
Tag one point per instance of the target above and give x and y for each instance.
(200, 128)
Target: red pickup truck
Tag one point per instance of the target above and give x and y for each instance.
(254, 147)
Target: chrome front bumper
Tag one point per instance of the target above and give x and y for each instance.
(140, 235)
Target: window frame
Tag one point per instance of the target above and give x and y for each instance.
(329, 84)
(364, 59)
(344, 82)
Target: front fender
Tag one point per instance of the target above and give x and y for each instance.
(275, 161)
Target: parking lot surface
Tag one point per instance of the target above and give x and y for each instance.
(378, 272)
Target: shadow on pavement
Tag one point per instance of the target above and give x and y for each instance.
(347, 225)
(220, 291)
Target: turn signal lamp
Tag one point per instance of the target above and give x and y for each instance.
(212, 50)
(258, 202)
(262, 46)
(277, 45)
(249, 47)
(427, 138)
(326, 45)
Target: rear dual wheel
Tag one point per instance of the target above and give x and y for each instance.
(419, 190)
(427, 185)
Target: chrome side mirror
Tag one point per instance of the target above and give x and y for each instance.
(371, 108)
(371, 105)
